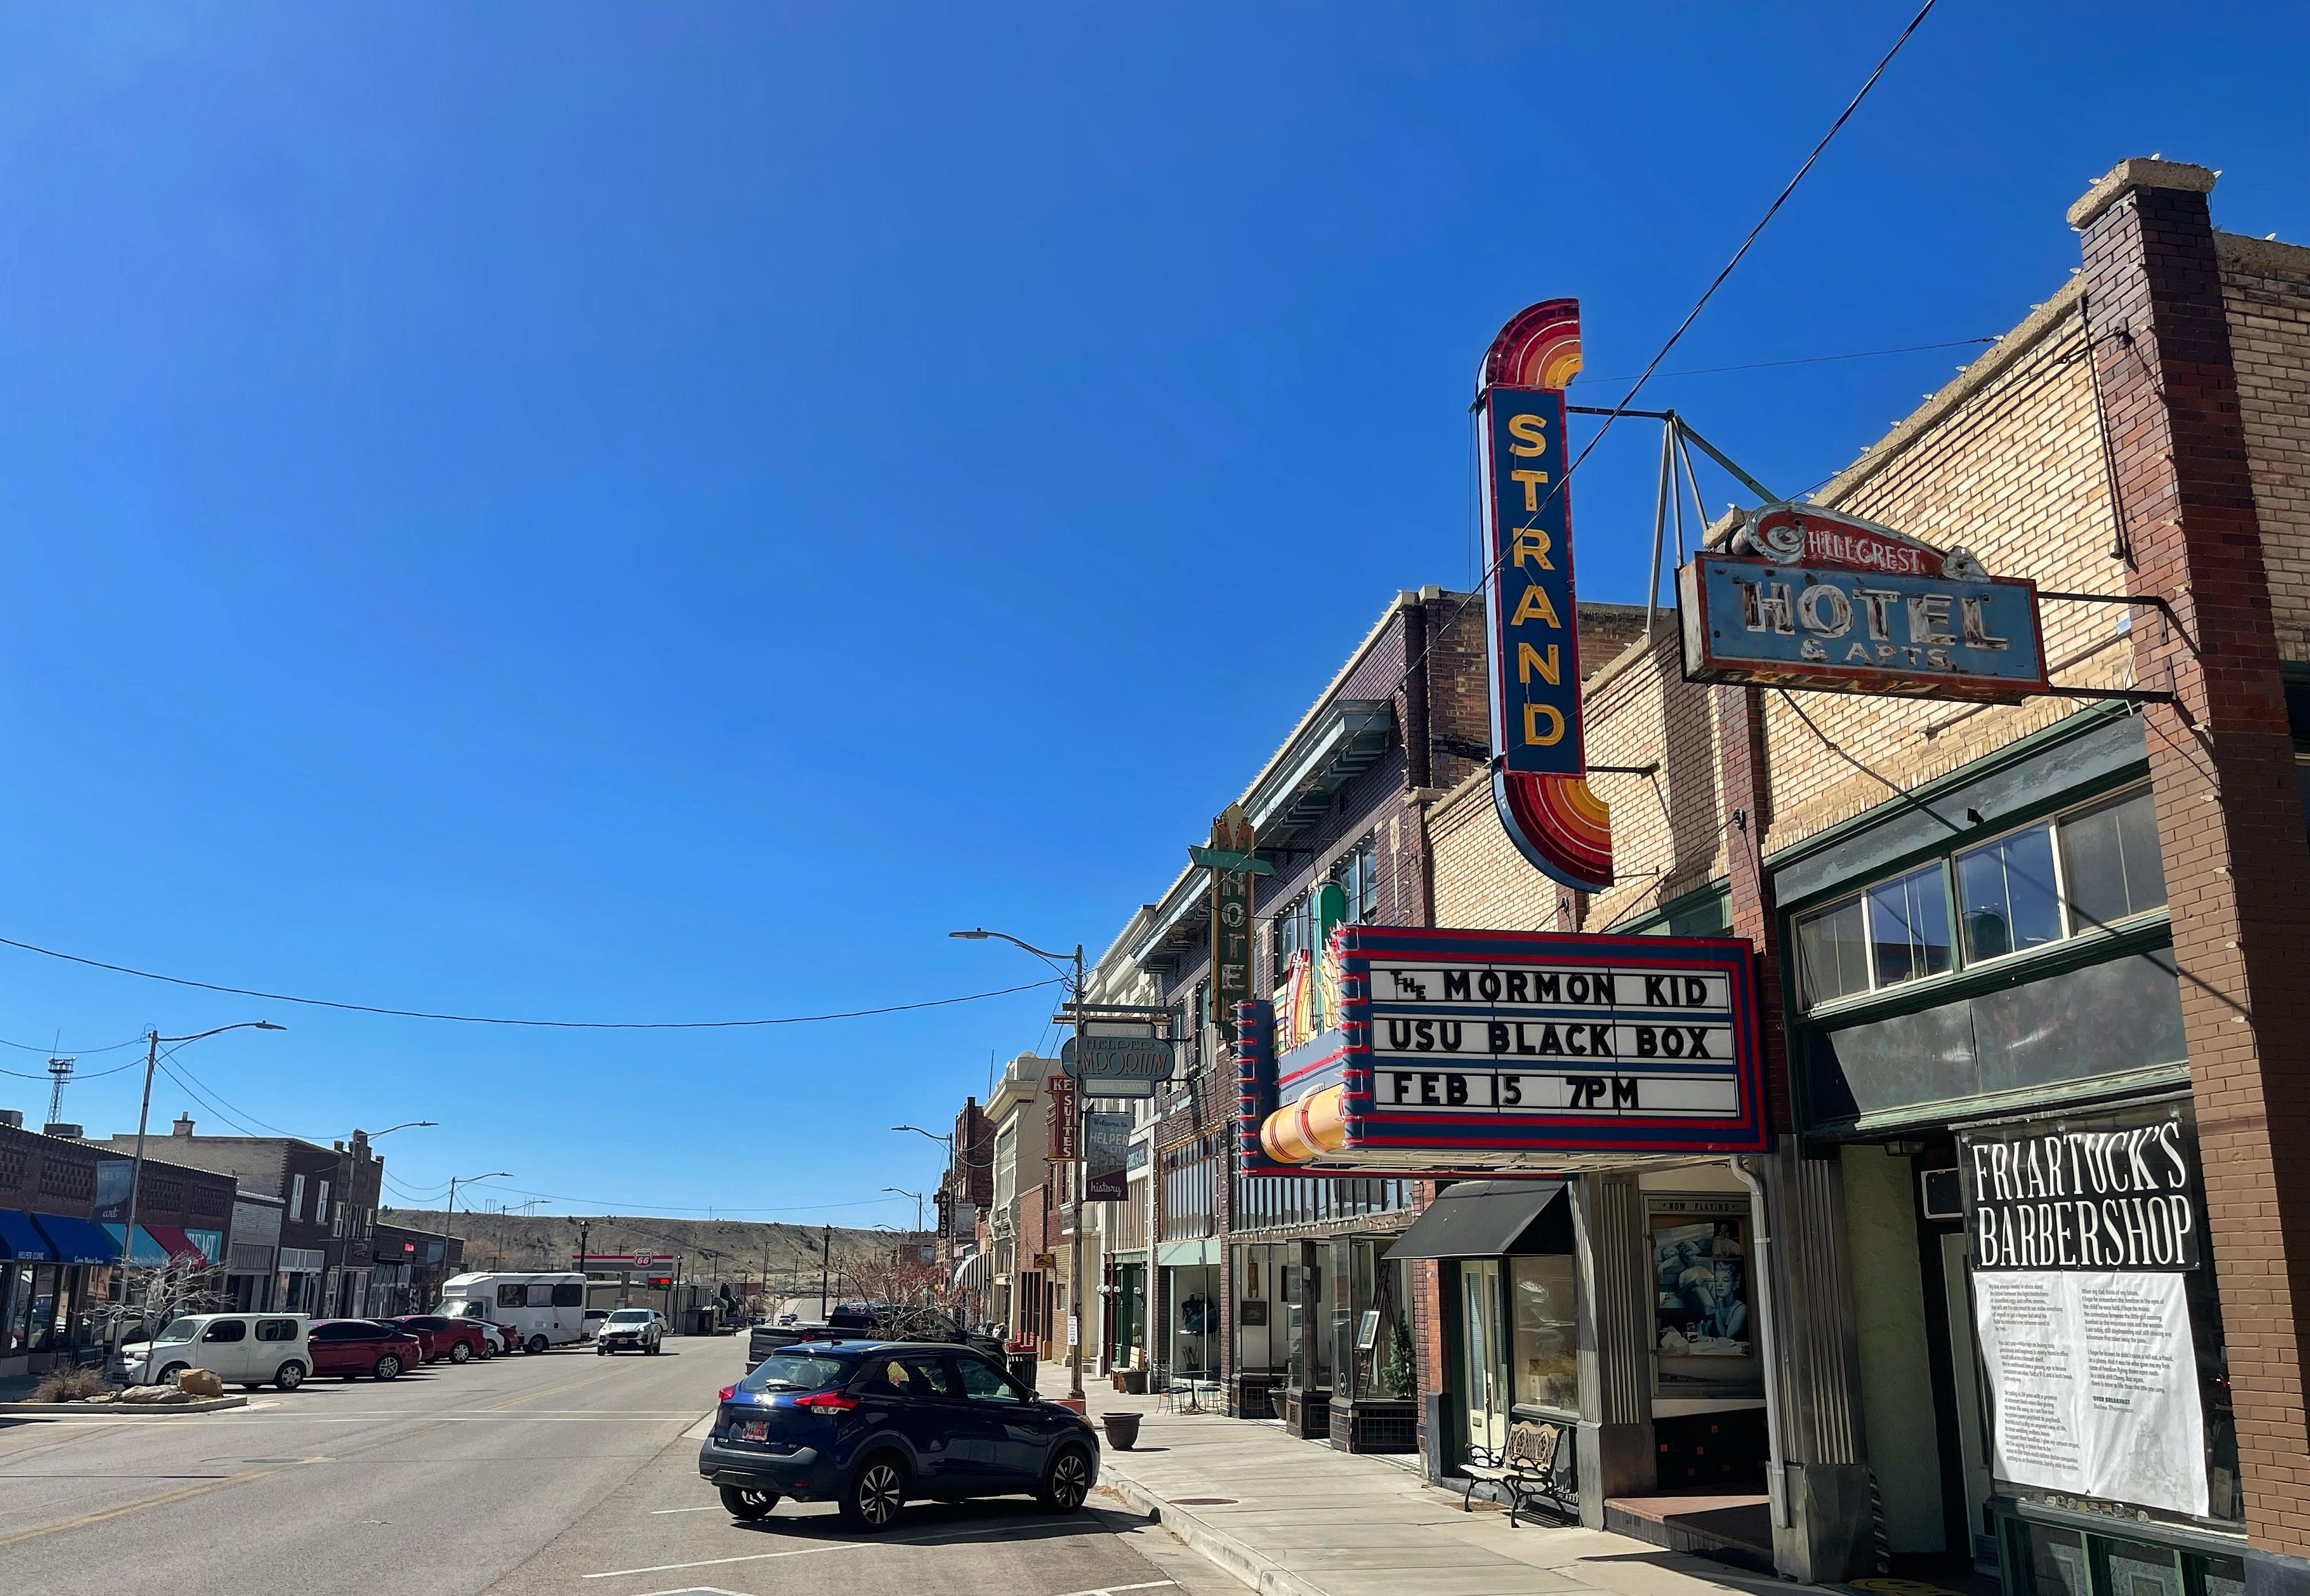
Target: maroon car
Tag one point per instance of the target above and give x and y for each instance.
(439, 1336)
(351, 1348)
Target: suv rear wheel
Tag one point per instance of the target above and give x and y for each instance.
(876, 1493)
(288, 1376)
(748, 1505)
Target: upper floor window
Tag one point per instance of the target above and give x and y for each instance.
(297, 1198)
(2076, 874)
(1356, 874)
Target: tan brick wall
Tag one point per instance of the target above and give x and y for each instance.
(2266, 294)
(2012, 470)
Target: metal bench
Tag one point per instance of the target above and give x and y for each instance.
(1527, 1467)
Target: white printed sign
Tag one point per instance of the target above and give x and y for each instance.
(2096, 1383)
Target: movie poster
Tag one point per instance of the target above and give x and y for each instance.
(1703, 1335)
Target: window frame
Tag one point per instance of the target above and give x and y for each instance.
(1962, 963)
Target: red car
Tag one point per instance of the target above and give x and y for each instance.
(351, 1348)
(439, 1336)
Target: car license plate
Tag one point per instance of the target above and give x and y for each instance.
(754, 1429)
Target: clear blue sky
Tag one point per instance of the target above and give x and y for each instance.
(586, 512)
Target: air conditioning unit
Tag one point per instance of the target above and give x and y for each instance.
(1942, 1193)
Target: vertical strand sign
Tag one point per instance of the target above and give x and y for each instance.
(1539, 757)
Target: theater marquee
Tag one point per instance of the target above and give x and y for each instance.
(1465, 1051)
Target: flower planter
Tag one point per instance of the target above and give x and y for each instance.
(1122, 1430)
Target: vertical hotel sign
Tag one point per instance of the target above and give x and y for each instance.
(1232, 865)
(1535, 649)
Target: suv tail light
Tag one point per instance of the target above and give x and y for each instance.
(833, 1401)
(728, 1392)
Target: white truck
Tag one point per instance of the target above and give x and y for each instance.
(532, 1311)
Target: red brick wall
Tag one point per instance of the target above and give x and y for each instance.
(2230, 822)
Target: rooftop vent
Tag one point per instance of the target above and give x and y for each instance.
(56, 1127)
(12, 1117)
(182, 1126)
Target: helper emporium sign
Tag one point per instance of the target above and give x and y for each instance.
(1460, 1052)
(1810, 598)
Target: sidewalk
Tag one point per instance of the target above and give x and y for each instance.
(1295, 1518)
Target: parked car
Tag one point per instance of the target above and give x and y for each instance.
(592, 1324)
(251, 1349)
(855, 1321)
(459, 1340)
(351, 1347)
(872, 1424)
(629, 1329)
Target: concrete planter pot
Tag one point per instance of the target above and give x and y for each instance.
(1122, 1430)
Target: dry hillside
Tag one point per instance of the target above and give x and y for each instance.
(548, 1241)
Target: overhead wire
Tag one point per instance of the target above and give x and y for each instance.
(1653, 366)
(1857, 354)
(60, 1050)
(569, 1025)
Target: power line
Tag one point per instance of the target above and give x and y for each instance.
(1653, 366)
(563, 1024)
(136, 1041)
(93, 1075)
(1858, 354)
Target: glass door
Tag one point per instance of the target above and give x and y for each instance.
(1480, 1354)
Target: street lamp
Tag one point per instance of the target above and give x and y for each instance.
(458, 1180)
(1083, 1169)
(152, 1040)
(917, 1196)
(404, 1125)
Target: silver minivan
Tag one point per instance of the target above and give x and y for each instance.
(252, 1348)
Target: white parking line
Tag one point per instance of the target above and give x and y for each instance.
(1152, 1584)
(840, 1546)
(654, 1512)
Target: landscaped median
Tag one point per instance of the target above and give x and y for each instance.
(83, 1394)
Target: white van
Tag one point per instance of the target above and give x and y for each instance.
(252, 1348)
(534, 1311)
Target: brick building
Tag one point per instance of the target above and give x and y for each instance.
(1981, 934)
(1981, 927)
(63, 1206)
(329, 1198)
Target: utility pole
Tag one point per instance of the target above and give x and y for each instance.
(152, 1039)
(1076, 1329)
(825, 1253)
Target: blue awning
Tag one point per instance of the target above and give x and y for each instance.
(19, 1240)
(75, 1241)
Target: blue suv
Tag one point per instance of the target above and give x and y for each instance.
(870, 1425)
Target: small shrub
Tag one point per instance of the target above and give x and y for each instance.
(71, 1386)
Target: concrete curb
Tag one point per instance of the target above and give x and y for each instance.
(1261, 1573)
(115, 1409)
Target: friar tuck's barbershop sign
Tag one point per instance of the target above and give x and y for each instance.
(2082, 1236)
(1810, 598)
(1538, 756)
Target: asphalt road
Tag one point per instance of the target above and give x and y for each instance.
(564, 1474)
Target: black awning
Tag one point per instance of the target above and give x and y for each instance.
(1484, 1219)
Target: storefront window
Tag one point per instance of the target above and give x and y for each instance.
(1259, 1347)
(2056, 1562)
(1546, 1336)
(1702, 1342)
(2077, 873)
